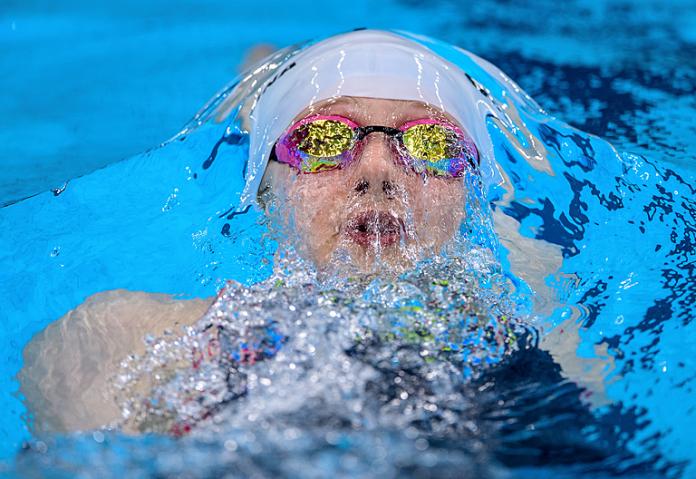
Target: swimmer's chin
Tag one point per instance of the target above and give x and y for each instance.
(351, 258)
(355, 251)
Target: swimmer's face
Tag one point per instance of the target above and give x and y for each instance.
(374, 212)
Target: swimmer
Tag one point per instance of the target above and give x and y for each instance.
(364, 166)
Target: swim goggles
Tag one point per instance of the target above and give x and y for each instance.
(326, 142)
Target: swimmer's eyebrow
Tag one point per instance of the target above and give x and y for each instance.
(341, 101)
(419, 111)
(350, 107)
(338, 103)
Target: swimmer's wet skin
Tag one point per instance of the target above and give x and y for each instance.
(366, 192)
(68, 366)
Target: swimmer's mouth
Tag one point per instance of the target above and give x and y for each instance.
(375, 227)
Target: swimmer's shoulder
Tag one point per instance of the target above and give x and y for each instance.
(149, 313)
(67, 366)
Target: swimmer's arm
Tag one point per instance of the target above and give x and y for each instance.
(534, 260)
(593, 374)
(67, 366)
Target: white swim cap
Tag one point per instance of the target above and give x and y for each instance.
(368, 63)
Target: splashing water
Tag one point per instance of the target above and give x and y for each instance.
(428, 316)
(399, 376)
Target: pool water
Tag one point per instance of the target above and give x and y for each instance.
(621, 212)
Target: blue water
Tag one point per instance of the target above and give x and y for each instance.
(623, 217)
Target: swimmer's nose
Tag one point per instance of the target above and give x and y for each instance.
(377, 171)
(389, 188)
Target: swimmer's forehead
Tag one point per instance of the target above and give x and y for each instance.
(372, 111)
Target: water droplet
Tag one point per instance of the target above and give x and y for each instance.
(230, 445)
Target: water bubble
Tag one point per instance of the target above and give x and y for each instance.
(171, 201)
(230, 445)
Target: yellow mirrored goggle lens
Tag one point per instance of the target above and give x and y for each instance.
(428, 142)
(324, 138)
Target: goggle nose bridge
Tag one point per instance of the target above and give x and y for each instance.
(363, 131)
